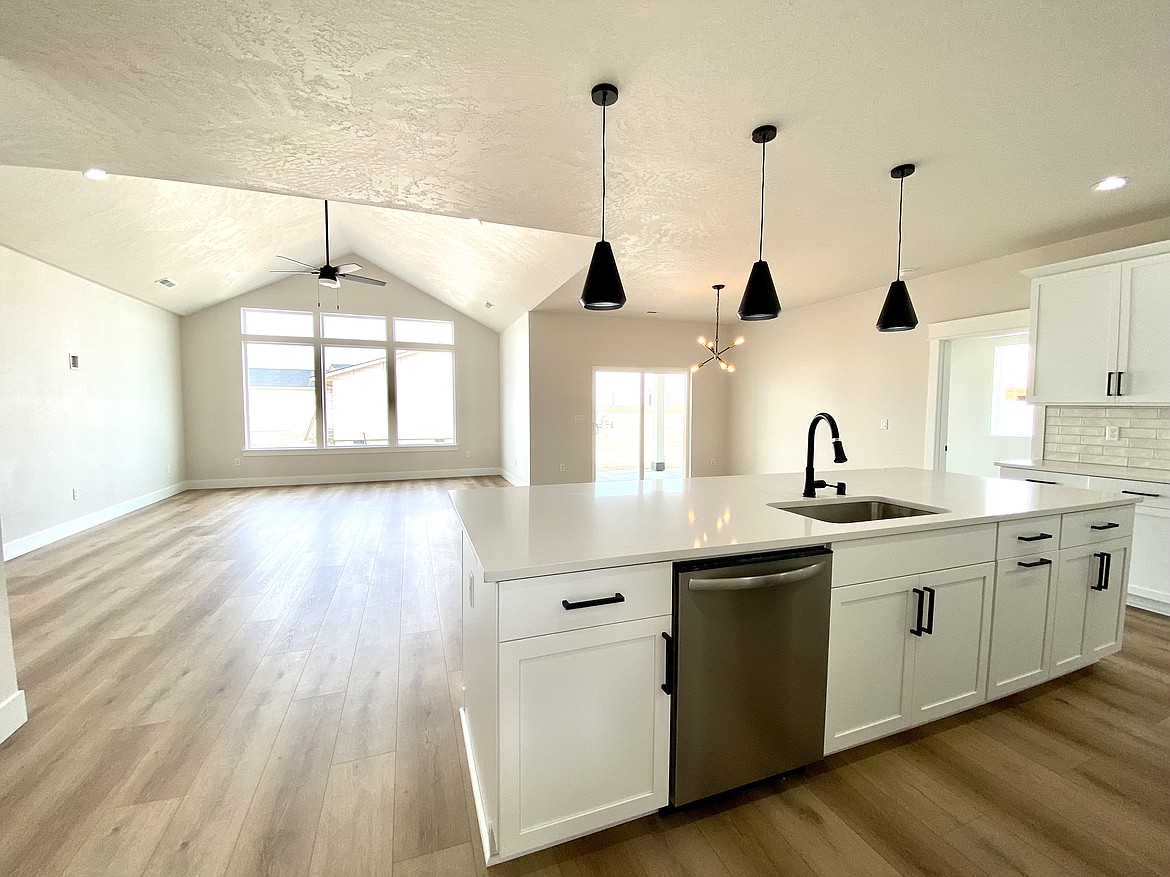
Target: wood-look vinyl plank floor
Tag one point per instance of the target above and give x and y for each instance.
(266, 681)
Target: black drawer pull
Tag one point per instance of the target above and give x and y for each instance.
(917, 628)
(1112, 525)
(1038, 537)
(1118, 392)
(1028, 564)
(600, 601)
(1140, 493)
(668, 685)
(1039, 481)
(1109, 385)
(929, 629)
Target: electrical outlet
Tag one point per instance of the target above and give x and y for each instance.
(712, 461)
(74, 360)
(883, 424)
(469, 455)
(1113, 433)
(562, 467)
(237, 462)
(578, 418)
(76, 493)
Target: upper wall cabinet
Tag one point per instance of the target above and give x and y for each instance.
(1100, 333)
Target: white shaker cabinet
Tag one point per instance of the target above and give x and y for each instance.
(906, 651)
(584, 731)
(1090, 604)
(1023, 613)
(1100, 333)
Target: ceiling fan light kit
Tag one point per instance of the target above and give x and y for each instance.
(603, 290)
(329, 275)
(760, 301)
(897, 314)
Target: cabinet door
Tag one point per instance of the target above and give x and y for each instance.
(1104, 616)
(950, 662)
(1149, 570)
(870, 660)
(584, 731)
(1075, 573)
(1024, 607)
(1075, 319)
(1145, 331)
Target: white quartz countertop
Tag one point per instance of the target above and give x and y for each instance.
(1127, 473)
(520, 532)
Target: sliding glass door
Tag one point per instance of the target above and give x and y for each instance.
(639, 424)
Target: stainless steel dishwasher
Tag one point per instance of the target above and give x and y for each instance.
(750, 658)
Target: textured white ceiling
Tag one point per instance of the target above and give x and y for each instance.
(482, 109)
(127, 232)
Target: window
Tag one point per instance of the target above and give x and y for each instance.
(1010, 414)
(333, 389)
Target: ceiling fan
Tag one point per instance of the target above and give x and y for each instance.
(331, 275)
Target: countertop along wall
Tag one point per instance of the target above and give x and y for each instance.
(111, 429)
(213, 391)
(564, 350)
(829, 357)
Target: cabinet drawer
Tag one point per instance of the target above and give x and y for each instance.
(1028, 536)
(1040, 476)
(1096, 525)
(531, 607)
(885, 557)
(1150, 493)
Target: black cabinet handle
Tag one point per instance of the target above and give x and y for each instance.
(600, 601)
(1140, 493)
(917, 628)
(1118, 392)
(929, 629)
(668, 685)
(1039, 481)
(1028, 564)
(1104, 561)
(1112, 525)
(1038, 537)
(1109, 385)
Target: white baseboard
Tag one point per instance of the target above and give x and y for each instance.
(514, 480)
(291, 480)
(1152, 601)
(13, 714)
(32, 542)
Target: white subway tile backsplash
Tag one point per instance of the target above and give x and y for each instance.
(1077, 435)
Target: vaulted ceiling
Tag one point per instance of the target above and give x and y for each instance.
(481, 109)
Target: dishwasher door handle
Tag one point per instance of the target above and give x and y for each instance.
(747, 583)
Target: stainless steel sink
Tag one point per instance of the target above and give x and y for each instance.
(854, 509)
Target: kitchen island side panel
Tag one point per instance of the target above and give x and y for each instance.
(481, 682)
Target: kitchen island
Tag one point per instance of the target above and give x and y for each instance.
(567, 715)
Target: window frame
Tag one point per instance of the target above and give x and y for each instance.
(319, 342)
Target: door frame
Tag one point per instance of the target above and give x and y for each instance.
(641, 372)
(938, 373)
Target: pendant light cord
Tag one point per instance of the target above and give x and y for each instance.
(326, 232)
(763, 163)
(901, 186)
(717, 321)
(603, 171)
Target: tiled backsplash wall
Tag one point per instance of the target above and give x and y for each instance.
(1077, 435)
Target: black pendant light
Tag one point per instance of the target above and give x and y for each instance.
(760, 301)
(898, 311)
(603, 286)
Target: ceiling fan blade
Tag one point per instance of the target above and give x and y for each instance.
(347, 267)
(307, 273)
(360, 279)
(297, 261)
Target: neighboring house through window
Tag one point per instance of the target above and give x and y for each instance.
(327, 383)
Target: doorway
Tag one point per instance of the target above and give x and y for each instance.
(977, 413)
(640, 419)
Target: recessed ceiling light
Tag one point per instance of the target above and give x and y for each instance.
(488, 305)
(1109, 184)
(906, 271)
(166, 281)
(233, 274)
(651, 312)
(476, 222)
(96, 174)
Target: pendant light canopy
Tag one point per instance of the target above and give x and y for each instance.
(603, 289)
(898, 311)
(760, 301)
(712, 345)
